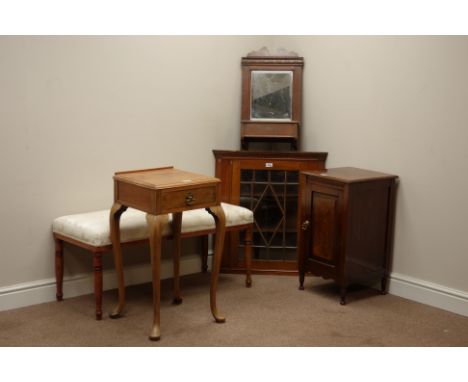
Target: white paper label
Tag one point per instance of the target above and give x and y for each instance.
(268, 164)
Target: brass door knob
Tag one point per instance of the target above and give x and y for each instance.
(189, 200)
(305, 225)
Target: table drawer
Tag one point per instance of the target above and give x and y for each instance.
(173, 201)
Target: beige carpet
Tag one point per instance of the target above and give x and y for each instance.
(271, 313)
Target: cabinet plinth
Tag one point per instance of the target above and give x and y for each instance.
(346, 226)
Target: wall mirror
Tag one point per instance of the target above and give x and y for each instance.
(271, 97)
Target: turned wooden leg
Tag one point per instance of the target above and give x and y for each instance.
(59, 268)
(343, 295)
(302, 270)
(116, 211)
(384, 284)
(97, 267)
(248, 256)
(204, 253)
(176, 230)
(218, 214)
(155, 225)
(301, 280)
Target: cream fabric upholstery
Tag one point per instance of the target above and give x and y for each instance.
(93, 227)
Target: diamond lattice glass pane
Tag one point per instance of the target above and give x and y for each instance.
(257, 239)
(293, 176)
(245, 189)
(292, 190)
(290, 254)
(248, 202)
(277, 240)
(246, 175)
(261, 176)
(268, 214)
(276, 253)
(291, 239)
(291, 214)
(279, 192)
(277, 176)
(272, 196)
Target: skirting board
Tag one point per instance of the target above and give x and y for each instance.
(428, 293)
(38, 292)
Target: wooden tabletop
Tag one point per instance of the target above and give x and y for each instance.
(163, 178)
(350, 174)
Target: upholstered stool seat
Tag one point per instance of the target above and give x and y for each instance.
(91, 231)
(93, 228)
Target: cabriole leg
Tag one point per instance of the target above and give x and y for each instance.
(218, 214)
(116, 211)
(155, 225)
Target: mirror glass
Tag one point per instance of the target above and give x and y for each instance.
(271, 94)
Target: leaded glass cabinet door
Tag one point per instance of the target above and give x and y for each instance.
(272, 196)
(267, 184)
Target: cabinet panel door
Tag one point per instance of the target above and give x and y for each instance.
(325, 226)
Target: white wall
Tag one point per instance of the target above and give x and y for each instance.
(75, 109)
(398, 105)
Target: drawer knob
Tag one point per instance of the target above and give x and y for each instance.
(189, 200)
(305, 225)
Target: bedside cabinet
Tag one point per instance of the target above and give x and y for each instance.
(345, 226)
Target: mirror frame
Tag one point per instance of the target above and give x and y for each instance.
(264, 129)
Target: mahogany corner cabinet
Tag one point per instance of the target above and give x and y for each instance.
(268, 184)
